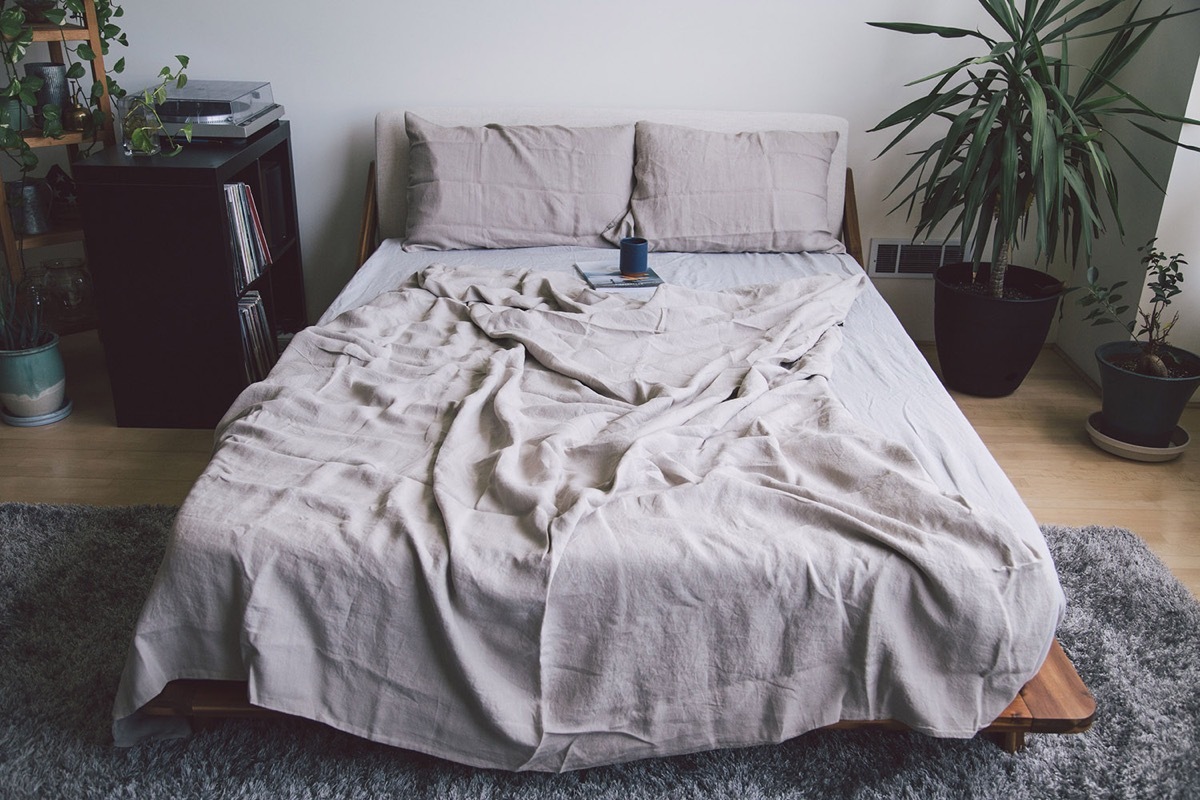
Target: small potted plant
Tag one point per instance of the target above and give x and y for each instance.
(1021, 135)
(139, 129)
(32, 378)
(1145, 382)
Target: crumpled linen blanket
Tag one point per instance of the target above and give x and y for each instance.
(500, 518)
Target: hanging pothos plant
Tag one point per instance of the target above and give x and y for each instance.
(21, 326)
(16, 36)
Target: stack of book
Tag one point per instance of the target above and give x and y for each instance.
(604, 275)
(257, 341)
(246, 237)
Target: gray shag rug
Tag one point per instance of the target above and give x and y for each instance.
(73, 578)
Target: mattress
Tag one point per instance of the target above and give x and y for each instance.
(371, 549)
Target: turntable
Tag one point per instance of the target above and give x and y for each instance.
(219, 109)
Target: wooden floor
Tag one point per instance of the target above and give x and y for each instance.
(86, 458)
(1037, 435)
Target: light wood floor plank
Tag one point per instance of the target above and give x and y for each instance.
(1036, 435)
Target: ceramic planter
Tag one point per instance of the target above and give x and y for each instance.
(54, 86)
(32, 381)
(29, 206)
(1138, 409)
(986, 345)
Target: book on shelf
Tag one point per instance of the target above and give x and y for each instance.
(247, 239)
(607, 275)
(258, 342)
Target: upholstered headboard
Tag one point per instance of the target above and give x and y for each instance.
(391, 142)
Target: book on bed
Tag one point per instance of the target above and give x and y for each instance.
(607, 275)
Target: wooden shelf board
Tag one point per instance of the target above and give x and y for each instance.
(48, 32)
(61, 236)
(34, 138)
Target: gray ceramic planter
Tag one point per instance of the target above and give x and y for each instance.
(1141, 409)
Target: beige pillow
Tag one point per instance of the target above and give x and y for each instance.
(707, 192)
(515, 185)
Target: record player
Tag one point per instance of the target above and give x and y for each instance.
(219, 109)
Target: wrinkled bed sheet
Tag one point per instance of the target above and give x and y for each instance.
(499, 518)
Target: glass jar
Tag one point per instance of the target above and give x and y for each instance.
(32, 295)
(137, 127)
(69, 291)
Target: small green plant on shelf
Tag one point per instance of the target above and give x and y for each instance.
(142, 129)
(1164, 274)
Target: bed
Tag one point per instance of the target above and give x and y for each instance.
(484, 512)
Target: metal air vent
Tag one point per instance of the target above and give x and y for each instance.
(902, 258)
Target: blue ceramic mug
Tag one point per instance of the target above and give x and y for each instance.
(633, 255)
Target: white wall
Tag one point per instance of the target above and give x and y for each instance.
(1161, 76)
(1179, 229)
(333, 66)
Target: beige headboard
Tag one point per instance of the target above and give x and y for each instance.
(391, 143)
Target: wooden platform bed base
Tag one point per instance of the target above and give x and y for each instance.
(1055, 701)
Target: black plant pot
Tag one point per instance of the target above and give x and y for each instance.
(987, 345)
(1142, 409)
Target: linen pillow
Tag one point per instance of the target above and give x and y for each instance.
(707, 192)
(515, 185)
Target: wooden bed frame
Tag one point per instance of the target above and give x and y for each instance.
(1055, 701)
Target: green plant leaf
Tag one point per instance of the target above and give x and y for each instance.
(917, 28)
(142, 140)
(12, 21)
(1083, 18)
(1002, 12)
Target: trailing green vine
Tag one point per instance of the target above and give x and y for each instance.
(16, 37)
(19, 325)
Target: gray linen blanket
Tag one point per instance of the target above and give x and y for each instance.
(500, 518)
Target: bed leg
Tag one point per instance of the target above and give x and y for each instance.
(1008, 741)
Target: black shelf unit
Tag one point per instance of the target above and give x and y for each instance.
(158, 241)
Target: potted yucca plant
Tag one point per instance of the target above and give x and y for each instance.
(1145, 382)
(1022, 152)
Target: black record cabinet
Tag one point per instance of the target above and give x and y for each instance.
(171, 283)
